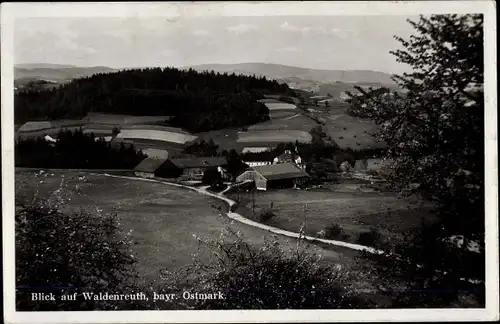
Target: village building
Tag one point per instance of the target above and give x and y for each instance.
(290, 157)
(184, 169)
(190, 168)
(258, 160)
(149, 167)
(282, 175)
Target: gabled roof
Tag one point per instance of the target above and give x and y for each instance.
(149, 165)
(280, 171)
(199, 162)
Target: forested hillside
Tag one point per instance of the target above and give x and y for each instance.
(198, 101)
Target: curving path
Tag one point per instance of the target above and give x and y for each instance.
(241, 219)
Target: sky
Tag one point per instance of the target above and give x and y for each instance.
(317, 42)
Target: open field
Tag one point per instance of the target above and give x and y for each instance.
(293, 122)
(225, 138)
(355, 211)
(279, 106)
(351, 132)
(116, 119)
(141, 144)
(161, 219)
(280, 114)
(157, 135)
(273, 136)
(156, 127)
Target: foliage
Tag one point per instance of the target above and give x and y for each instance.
(75, 150)
(371, 238)
(266, 215)
(211, 176)
(61, 251)
(264, 277)
(197, 101)
(335, 231)
(234, 166)
(202, 148)
(435, 134)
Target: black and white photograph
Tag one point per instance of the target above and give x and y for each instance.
(278, 161)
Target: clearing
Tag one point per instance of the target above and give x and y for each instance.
(274, 136)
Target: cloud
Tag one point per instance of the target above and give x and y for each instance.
(316, 30)
(290, 49)
(289, 27)
(242, 28)
(200, 32)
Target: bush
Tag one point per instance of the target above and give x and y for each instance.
(63, 252)
(335, 231)
(266, 215)
(371, 238)
(211, 177)
(266, 277)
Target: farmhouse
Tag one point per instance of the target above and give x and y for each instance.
(190, 168)
(257, 160)
(283, 175)
(290, 157)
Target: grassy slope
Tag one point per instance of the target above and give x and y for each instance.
(162, 218)
(356, 212)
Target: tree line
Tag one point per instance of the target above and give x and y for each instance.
(197, 101)
(75, 150)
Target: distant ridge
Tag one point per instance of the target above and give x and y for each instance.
(278, 71)
(56, 72)
(44, 66)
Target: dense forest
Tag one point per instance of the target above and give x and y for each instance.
(75, 150)
(198, 101)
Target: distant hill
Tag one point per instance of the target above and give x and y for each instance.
(44, 66)
(55, 72)
(197, 102)
(277, 71)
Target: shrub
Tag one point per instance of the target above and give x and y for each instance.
(265, 277)
(211, 177)
(64, 252)
(266, 215)
(335, 231)
(371, 238)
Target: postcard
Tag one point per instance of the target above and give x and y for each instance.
(230, 162)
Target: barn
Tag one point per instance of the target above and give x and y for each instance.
(283, 175)
(149, 167)
(190, 168)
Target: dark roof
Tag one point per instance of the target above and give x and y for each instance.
(149, 165)
(199, 162)
(280, 171)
